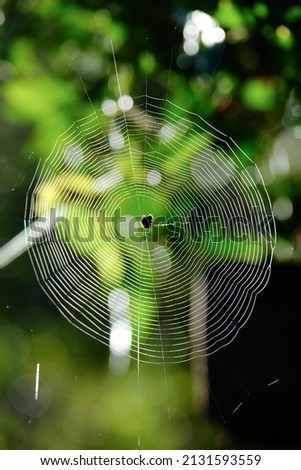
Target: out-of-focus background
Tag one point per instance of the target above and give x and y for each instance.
(238, 66)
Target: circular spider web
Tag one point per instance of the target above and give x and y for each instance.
(150, 230)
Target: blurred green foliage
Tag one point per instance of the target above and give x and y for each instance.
(53, 54)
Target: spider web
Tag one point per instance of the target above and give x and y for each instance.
(138, 289)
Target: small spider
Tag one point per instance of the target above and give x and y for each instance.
(146, 221)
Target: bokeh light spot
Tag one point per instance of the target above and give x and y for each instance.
(125, 103)
(153, 177)
(116, 140)
(109, 107)
(283, 208)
